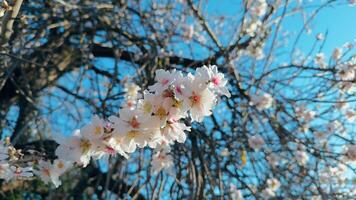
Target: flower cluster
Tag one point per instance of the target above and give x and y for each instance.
(50, 172)
(8, 170)
(272, 185)
(156, 121)
(347, 76)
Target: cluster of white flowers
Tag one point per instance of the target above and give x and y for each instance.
(320, 60)
(256, 142)
(305, 114)
(347, 76)
(8, 170)
(272, 186)
(301, 157)
(261, 102)
(333, 175)
(253, 26)
(350, 153)
(337, 53)
(50, 172)
(156, 120)
(162, 160)
(334, 127)
(236, 194)
(258, 8)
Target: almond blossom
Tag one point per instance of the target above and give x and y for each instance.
(77, 148)
(337, 53)
(350, 153)
(131, 129)
(17, 172)
(262, 101)
(236, 194)
(303, 113)
(47, 173)
(301, 157)
(155, 120)
(259, 8)
(174, 131)
(256, 142)
(202, 99)
(214, 78)
(272, 185)
(163, 80)
(131, 90)
(162, 161)
(320, 60)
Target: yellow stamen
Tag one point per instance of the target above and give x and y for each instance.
(161, 112)
(132, 134)
(147, 107)
(85, 146)
(60, 165)
(97, 130)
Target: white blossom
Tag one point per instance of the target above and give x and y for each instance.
(162, 161)
(163, 80)
(253, 27)
(301, 157)
(320, 36)
(350, 153)
(131, 91)
(273, 184)
(202, 99)
(47, 173)
(320, 60)
(350, 115)
(259, 8)
(347, 72)
(256, 142)
(76, 148)
(20, 172)
(262, 102)
(236, 194)
(337, 53)
(216, 80)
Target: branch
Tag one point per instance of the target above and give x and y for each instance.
(101, 51)
(8, 21)
(205, 25)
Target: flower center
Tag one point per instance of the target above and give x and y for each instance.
(168, 93)
(110, 150)
(147, 107)
(134, 123)
(97, 130)
(164, 81)
(60, 165)
(132, 134)
(179, 89)
(85, 146)
(195, 99)
(46, 171)
(130, 104)
(215, 80)
(177, 104)
(161, 112)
